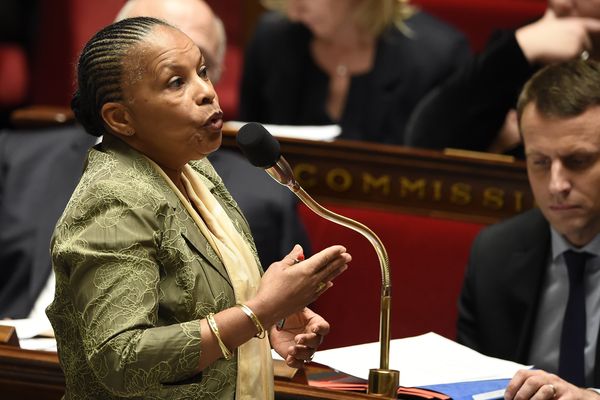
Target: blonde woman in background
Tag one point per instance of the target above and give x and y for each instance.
(362, 64)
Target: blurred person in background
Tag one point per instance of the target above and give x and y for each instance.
(361, 64)
(474, 109)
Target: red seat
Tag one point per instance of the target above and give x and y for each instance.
(66, 25)
(228, 86)
(14, 76)
(427, 258)
(479, 18)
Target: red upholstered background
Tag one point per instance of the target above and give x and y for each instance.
(427, 259)
(14, 75)
(65, 25)
(480, 18)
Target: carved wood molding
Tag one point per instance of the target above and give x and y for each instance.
(467, 186)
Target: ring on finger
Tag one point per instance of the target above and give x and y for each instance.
(584, 55)
(321, 286)
(309, 359)
(553, 389)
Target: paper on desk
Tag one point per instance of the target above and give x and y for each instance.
(321, 132)
(30, 327)
(423, 360)
(41, 344)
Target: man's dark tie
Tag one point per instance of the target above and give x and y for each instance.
(571, 364)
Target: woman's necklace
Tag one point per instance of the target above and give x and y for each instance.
(341, 63)
(341, 70)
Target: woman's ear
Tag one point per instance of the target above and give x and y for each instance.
(117, 118)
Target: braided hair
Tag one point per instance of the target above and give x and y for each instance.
(100, 69)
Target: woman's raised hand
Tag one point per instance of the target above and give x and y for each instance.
(292, 283)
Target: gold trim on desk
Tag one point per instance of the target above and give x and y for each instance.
(414, 181)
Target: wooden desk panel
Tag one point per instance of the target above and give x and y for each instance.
(468, 186)
(30, 375)
(36, 375)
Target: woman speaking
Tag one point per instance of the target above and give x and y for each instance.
(159, 293)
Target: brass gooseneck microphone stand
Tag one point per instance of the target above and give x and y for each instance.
(382, 381)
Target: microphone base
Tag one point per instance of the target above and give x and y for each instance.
(384, 383)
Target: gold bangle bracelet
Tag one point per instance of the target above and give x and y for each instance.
(212, 324)
(259, 327)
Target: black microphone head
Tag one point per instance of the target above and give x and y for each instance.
(258, 145)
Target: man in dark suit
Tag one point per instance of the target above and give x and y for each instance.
(39, 171)
(526, 297)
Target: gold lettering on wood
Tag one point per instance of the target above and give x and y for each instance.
(493, 198)
(304, 173)
(460, 193)
(437, 190)
(339, 179)
(381, 184)
(518, 201)
(408, 186)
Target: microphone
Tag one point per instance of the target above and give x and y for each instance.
(263, 151)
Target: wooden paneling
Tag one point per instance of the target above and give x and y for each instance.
(468, 186)
(36, 375)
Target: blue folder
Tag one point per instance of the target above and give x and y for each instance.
(466, 390)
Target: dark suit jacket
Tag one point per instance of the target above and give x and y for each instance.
(38, 172)
(468, 110)
(502, 287)
(282, 85)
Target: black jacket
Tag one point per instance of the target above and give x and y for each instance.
(469, 109)
(281, 84)
(500, 296)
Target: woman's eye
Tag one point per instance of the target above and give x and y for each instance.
(176, 82)
(203, 72)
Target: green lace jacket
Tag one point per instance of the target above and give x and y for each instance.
(134, 274)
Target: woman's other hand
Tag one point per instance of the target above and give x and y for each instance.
(291, 284)
(299, 338)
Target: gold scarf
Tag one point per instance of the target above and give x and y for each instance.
(255, 369)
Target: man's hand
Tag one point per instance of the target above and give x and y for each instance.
(554, 39)
(539, 385)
